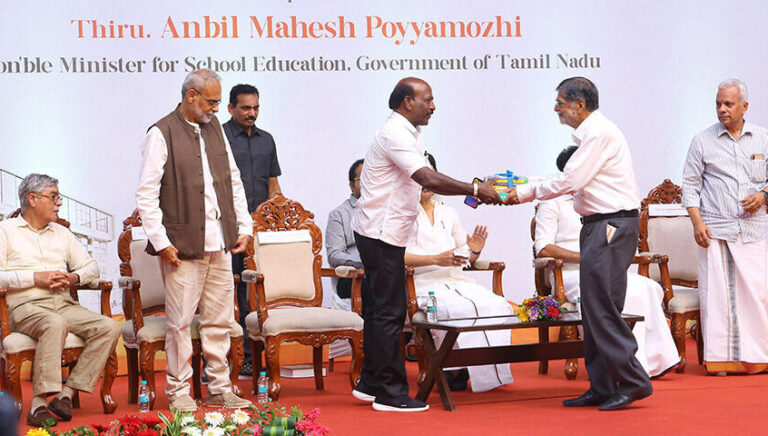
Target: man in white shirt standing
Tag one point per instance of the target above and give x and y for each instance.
(395, 169)
(724, 190)
(193, 209)
(601, 177)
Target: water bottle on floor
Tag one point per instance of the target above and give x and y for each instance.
(143, 397)
(432, 307)
(263, 392)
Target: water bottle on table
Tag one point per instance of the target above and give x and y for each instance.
(263, 388)
(432, 308)
(143, 397)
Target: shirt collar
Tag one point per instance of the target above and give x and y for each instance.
(581, 131)
(237, 130)
(399, 118)
(352, 201)
(746, 128)
(19, 221)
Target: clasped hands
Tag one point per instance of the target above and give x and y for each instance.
(56, 281)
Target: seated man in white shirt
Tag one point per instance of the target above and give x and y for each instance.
(557, 235)
(39, 261)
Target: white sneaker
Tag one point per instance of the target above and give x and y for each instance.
(407, 404)
(184, 403)
(362, 396)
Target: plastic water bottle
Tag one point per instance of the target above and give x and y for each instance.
(432, 308)
(143, 397)
(263, 393)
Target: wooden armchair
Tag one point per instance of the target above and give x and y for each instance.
(416, 314)
(673, 236)
(17, 348)
(548, 278)
(285, 292)
(144, 308)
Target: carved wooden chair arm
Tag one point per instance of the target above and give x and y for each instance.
(5, 327)
(548, 262)
(356, 274)
(256, 298)
(130, 287)
(496, 267)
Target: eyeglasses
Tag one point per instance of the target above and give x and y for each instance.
(55, 197)
(210, 101)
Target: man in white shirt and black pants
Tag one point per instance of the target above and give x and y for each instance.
(395, 168)
(601, 177)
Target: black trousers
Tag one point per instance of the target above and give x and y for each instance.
(384, 309)
(609, 346)
(238, 265)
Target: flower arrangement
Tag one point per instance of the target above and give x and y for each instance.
(259, 420)
(539, 308)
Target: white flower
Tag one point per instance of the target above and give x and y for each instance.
(230, 428)
(186, 420)
(213, 431)
(192, 431)
(214, 418)
(239, 417)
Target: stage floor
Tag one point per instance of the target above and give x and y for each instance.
(690, 404)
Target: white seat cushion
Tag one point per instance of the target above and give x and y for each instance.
(18, 342)
(685, 300)
(303, 319)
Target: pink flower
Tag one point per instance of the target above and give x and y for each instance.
(312, 415)
(256, 430)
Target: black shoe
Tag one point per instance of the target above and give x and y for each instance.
(457, 381)
(620, 401)
(589, 398)
(406, 404)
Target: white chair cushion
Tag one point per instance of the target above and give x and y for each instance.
(146, 269)
(286, 260)
(673, 236)
(153, 330)
(302, 319)
(18, 342)
(685, 300)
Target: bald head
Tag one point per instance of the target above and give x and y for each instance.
(412, 98)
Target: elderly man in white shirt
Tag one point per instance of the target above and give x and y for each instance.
(601, 177)
(724, 190)
(384, 222)
(557, 235)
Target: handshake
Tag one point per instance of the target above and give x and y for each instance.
(499, 188)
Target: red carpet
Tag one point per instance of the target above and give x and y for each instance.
(683, 404)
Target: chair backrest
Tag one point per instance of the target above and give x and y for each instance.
(136, 263)
(286, 249)
(670, 235)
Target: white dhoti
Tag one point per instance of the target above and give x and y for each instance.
(733, 295)
(656, 349)
(464, 299)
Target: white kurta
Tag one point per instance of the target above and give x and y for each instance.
(457, 295)
(557, 223)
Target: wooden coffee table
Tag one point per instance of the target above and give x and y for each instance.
(447, 357)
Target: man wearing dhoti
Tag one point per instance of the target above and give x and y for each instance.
(724, 190)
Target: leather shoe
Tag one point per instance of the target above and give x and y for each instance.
(589, 398)
(62, 407)
(620, 401)
(39, 417)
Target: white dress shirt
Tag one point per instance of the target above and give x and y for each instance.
(557, 224)
(389, 198)
(154, 153)
(719, 172)
(599, 174)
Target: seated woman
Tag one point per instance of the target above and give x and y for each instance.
(557, 235)
(438, 269)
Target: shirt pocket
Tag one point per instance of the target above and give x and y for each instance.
(756, 170)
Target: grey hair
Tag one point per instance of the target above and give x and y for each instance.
(34, 183)
(197, 80)
(737, 83)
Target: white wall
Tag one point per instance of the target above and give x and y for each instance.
(660, 64)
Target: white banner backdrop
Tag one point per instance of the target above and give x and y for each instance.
(82, 81)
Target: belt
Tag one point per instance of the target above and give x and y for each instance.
(606, 216)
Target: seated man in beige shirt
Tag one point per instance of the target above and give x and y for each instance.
(39, 260)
